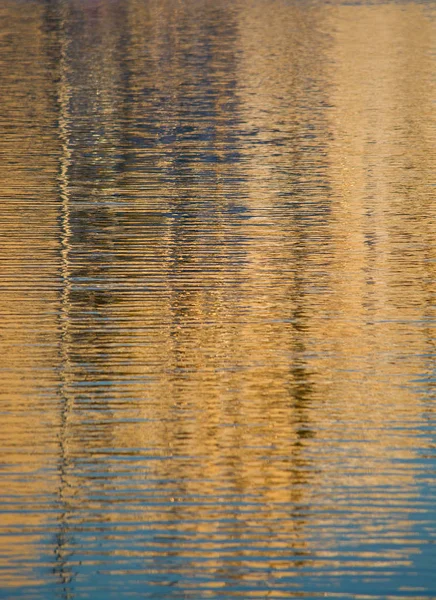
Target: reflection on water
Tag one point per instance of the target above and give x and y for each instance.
(218, 256)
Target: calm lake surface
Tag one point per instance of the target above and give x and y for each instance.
(217, 299)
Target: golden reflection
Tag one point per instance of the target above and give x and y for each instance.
(223, 303)
(29, 257)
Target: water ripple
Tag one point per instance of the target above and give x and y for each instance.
(217, 268)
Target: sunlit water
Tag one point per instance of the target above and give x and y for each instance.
(217, 299)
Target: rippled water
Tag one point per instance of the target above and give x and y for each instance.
(217, 299)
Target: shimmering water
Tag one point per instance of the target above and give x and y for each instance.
(217, 299)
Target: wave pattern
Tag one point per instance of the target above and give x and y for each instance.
(217, 299)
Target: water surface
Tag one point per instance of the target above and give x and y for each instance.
(217, 299)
